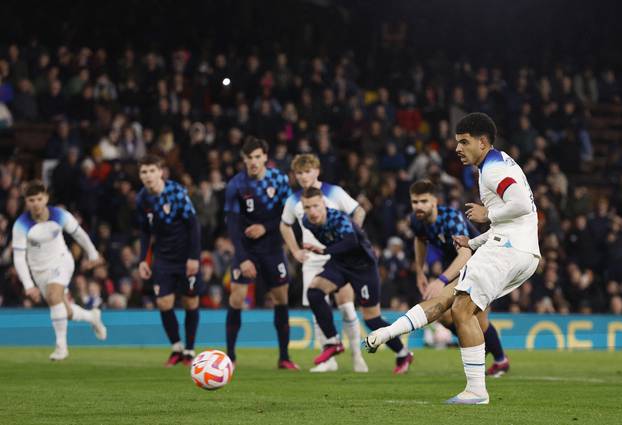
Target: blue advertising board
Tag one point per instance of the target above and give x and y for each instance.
(23, 327)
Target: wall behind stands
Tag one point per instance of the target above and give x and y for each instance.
(142, 328)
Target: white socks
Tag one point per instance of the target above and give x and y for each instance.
(58, 314)
(351, 327)
(78, 314)
(414, 318)
(474, 361)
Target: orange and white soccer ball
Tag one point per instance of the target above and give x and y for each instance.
(211, 370)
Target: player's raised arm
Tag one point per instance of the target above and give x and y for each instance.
(19, 244)
(73, 228)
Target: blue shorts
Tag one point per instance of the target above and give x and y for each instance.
(365, 281)
(170, 278)
(271, 270)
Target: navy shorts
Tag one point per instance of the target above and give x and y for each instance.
(271, 270)
(365, 281)
(171, 279)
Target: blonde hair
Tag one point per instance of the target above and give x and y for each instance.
(305, 161)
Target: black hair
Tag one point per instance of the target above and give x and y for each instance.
(422, 186)
(252, 143)
(478, 124)
(34, 187)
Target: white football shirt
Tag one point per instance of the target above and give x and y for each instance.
(506, 194)
(43, 242)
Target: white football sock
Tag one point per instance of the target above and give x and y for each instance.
(58, 314)
(474, 361)
(351, 327)
(177, 347)
(414, 318)
(79, 314)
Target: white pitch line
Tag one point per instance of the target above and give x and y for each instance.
(406, 402)
(558, 379)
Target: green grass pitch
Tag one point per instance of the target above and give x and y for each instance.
(130, 386)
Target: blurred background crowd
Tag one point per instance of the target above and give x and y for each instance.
(375, 97)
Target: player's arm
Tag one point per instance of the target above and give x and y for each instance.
(358, 216)
(349, 205)
(449, 274)
(421, 251)
(288, 218)
(73, 228)
(349, 240)
(19, 244)
(194, 235)
(234, 221)
(516, 196)
(478, 241)
(144, 269)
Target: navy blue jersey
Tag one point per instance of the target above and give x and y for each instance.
(346, 243)
(170, 220)
(449, 222)
(251, 201)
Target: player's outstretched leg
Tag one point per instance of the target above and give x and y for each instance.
(94, 317)
(191, 324)
(324, 317)
(58, 314)
(415, 318)
(501, 364)
(352, 330)
(403, 357)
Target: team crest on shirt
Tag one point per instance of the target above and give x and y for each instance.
(442, 238)
(236, 274)
(166, 208)
(150, 218)
(271, 191)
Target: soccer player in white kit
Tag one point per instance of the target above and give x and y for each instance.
(45, 265)
(306, 168)
(505, 256)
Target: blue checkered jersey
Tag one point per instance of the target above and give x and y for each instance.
(449, 222)
(346, 243)
(251, 201)
(169, 226)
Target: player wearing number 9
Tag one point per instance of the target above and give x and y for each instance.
(254, 203)
(351, 260)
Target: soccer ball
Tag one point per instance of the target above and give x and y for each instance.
(211, 370)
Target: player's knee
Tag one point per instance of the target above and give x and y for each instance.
(344, 295)
(315, 296)
(165, 303)
(462, 309)
(446, 319)
(370, 312)
(190, 303)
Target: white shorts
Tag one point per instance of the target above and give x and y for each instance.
(61, 272)
(494, 271)
(311, 268)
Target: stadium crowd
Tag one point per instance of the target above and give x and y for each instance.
(194, 108)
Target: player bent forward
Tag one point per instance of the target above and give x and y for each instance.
(42, 258)
(505, 256)
(351, 260)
